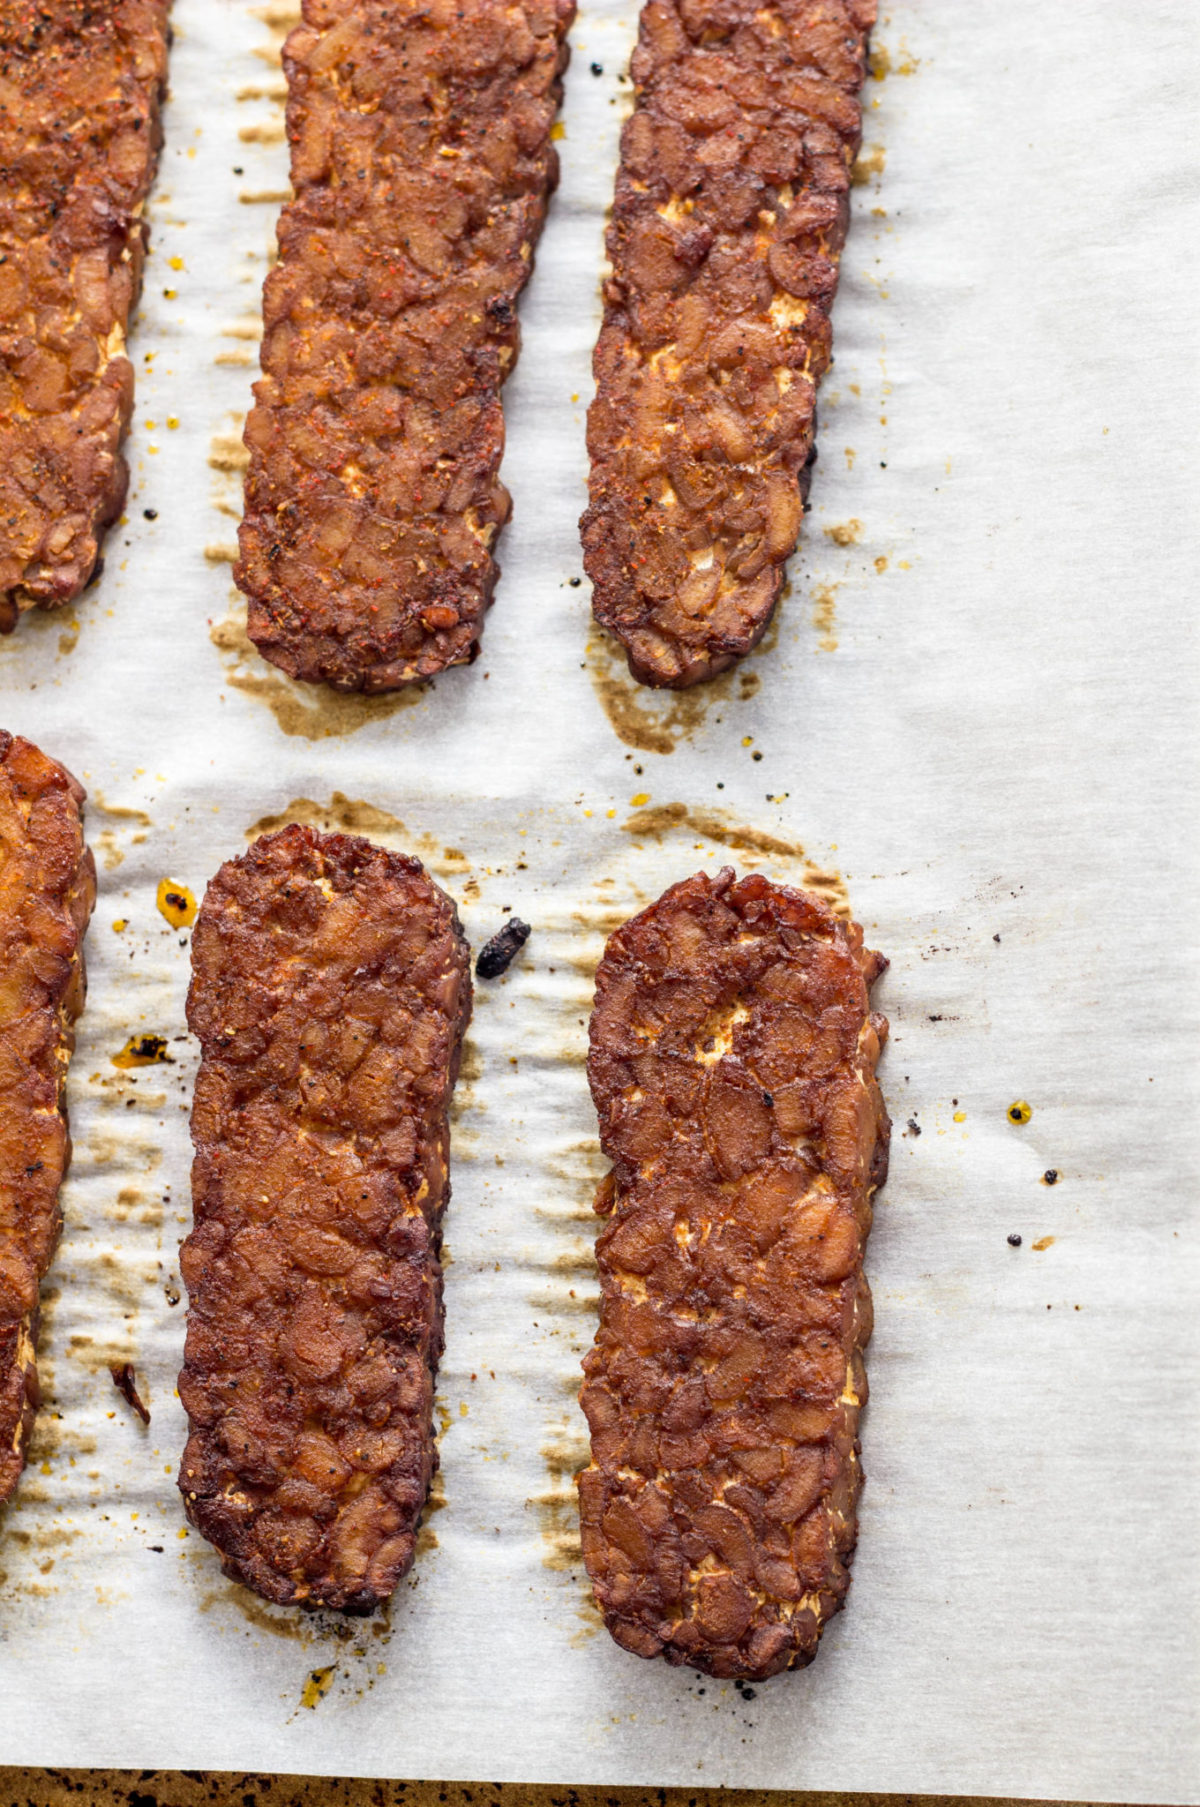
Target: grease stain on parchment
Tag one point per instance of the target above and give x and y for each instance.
(868, 163)
(277, 1622)
(307, 711)
(657, 721)
(753, 844)
(119, 812)
(824, 616)
(354, 815)
(556, 1510)
(427, 1538)
(884, 62)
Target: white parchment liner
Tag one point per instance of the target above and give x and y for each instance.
(976, 719)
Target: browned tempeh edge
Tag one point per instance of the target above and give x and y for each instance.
(47, 891)
(81, 86)
(330, 994)
(422, 165)
(732, 1064)
(730, 213)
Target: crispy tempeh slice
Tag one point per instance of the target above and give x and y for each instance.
(732, 1064)
(330, 992)
(422, 164)
(47, 890)
(81, 84)
(730, 214)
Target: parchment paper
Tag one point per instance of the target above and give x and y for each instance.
(976, 720)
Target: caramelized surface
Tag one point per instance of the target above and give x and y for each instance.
(730, 214)
(330, 992)
(732, 1065)
(47, 890)
(81, 83)
(422, 164)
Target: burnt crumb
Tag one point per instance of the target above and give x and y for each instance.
(498, 954)
(1050, 1177)
(1014, 1241)
(143, 1051)
(996, 939)
(150, 514)
(125, 1381)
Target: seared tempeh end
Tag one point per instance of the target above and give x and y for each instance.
(330, 992)
(47, 890)
(81, 84)
(733, 1068)
(422, 164)
(730, 214)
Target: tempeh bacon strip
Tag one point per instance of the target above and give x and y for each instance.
(330, 992)
(732, 1065)
(422, 164)
(730, 214)
(81, 85)
(47, 890)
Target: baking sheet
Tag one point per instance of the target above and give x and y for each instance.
(975, 719)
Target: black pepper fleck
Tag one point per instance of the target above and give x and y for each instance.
(1014, 1241)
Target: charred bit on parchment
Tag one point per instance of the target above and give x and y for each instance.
(498, 954)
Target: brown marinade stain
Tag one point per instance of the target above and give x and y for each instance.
(300, 709)
(557, 1508)
(656, 721)
(867, 164)
(342, 814)
(824, 598)
(655, 822)
(427, 1537)
(713, 825)
(648, 724)
(255, 1613)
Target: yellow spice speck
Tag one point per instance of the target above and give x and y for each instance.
(176, 903)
